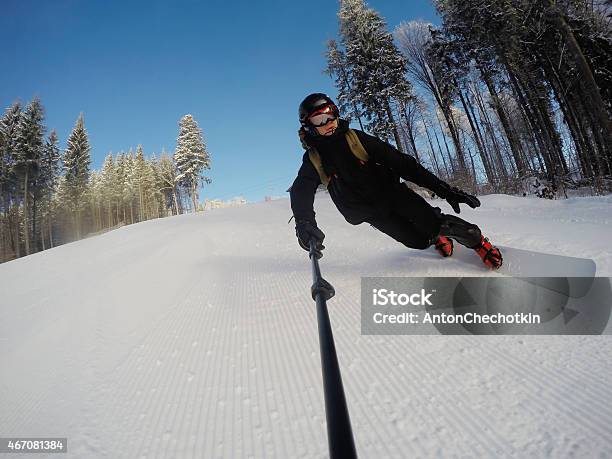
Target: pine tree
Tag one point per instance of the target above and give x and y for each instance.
(130, 183)
(191, 157)
(120, 189)
(338, 68)
(77, 161)
(376, 66)
(152, 191)
(29, 151)
(8, 182)
(109, 180)
(140, 173)
(167, 174)
(48, 179)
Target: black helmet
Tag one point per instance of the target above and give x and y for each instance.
(311, 104)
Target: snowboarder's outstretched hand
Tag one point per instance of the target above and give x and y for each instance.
(306, 230)
(454, 196)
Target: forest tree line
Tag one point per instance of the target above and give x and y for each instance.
(50, 197)
(502, 90)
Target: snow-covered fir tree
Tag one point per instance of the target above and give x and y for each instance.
(28, 154)
(154, 196)
(130, 184)
(338, 68)
(50, 168)
(140, 176)
(109, 185)
(376, 67)
(8, 183)
(191, 157)
(167, 181)
(8, 136)
(77, 161)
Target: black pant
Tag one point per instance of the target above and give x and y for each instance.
(417, 225)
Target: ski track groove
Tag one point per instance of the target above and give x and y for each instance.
(199, 373)
(206, 356)
(535, 399)
(597, 386)
(353, 306)
(270, 348)
(216, 349)
(466, 419)
(133, 360)
(341, 312)
(152, 373)
(146, 361)
(293, 315)
(277, 387)
(190, 357)
(290, 317)
(262, 405)
(544, 398)
(28, 400)
(189, 360)
(173, 399)
(215, 357)
(553, 401)
(425, 372)
(310, 398)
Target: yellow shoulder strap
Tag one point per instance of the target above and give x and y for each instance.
(356, 148)
(315, 159)
(356, 145)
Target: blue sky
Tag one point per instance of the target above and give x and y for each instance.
(135, 68)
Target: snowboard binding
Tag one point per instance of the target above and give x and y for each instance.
(444, 246)
(490, 255)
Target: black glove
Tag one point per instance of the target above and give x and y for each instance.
(306, 230)
(454, 196)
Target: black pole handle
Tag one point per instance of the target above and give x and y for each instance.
(339, 433)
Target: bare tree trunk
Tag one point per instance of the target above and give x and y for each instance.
(450, 158)
(42, 233)
(175, 200)
(50, 224)
(193, 198)
(15, 232)
(509, 131)
(26, 229)
(395, 132)
(587, 81)
(34, 225)
(497, 162)
(479, 144)
(448, 172)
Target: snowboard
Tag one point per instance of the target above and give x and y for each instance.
(527, 263)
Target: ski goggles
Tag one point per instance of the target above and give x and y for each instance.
(323, 115)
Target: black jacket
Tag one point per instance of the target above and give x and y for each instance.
(360, 191)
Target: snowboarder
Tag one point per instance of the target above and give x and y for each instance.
(362, 175)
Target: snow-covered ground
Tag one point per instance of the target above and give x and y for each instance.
(196, 336)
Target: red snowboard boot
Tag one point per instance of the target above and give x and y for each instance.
(490, 255)
(444, 246)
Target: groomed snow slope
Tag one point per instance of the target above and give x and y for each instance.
(195, 336)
